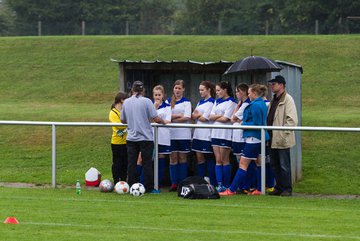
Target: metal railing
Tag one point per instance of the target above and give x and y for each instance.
(156, 126)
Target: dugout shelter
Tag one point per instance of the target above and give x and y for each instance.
(192, 72)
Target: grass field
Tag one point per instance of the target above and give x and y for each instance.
(71, 78)
(60, 214)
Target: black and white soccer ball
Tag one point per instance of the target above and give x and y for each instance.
(122, 187)
(137, 190)
(106, 186)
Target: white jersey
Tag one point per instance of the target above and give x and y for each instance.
(237, 135)
(225, 108)
(182, 106)
(164, 112)
(204, 107)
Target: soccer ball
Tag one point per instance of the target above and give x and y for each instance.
(122, 187)
(137, 190)
(106, 186)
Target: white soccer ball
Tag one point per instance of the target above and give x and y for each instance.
(122, 187)
(137, 190)
(106, 186)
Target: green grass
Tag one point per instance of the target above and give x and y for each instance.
(59, 214)
(71, 78)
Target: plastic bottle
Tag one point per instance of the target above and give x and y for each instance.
(78, 187)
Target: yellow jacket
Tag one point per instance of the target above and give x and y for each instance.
(119, 133)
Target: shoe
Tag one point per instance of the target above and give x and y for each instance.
(270, 189)
(275, 193)
(227, 192)
(286, 194)
(220, 188)
(155, 191)
(255, 193)
(243, 191)
(173, 188)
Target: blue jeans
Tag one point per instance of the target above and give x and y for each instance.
(146, 149)
(281, 166)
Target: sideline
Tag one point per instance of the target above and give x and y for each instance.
(182, 230)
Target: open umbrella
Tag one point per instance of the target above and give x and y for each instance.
(253, 64)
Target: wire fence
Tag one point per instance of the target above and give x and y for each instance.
(54, 125)
(44, 28)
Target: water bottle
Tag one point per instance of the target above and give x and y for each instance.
(78, 187)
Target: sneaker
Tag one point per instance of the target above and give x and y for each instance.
(220, 188)
(242, 191)
(270, 189)
(173, 188)
(227, 192)
(155, 191)
(275, 193)
(286, 194)
(255, 193)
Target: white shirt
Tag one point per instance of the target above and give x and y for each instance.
(237, 135)
(182, 106)
(225, 108)
(164, 112)
(204, 107)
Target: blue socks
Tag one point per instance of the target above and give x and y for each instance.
(227, 175)
(161, 170)
(219, 174)
(223, 174)
(211, 171)
(258, 178)
(238, 179)
(183, 171)
(173, 169)
(200, 169)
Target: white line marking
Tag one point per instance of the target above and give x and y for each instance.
(182, 230)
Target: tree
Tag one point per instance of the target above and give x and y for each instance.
(6, 20)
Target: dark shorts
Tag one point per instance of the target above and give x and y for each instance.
(180, 146)
(238, 148)
(201, 146)
(252, 150)
(162, 149)
(221, 142)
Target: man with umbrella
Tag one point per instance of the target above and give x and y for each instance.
(282, 112)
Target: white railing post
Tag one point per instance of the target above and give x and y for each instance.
(263, 155)
(53, 151)
(156, 158)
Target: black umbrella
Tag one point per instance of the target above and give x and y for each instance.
(254, 64)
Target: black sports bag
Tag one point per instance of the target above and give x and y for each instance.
(196, 187)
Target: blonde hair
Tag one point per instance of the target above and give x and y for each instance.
(264, 90)
(161, 88)
(177, 82)
(257, 89)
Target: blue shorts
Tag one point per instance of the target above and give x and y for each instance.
(180, 146)
(238, 148)
(162, 149)
(201, 146)
(252, 150)
(221, 142)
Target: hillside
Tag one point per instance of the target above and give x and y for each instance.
(71, 78)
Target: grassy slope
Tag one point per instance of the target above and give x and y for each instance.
(61, 215)
(72, 78)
